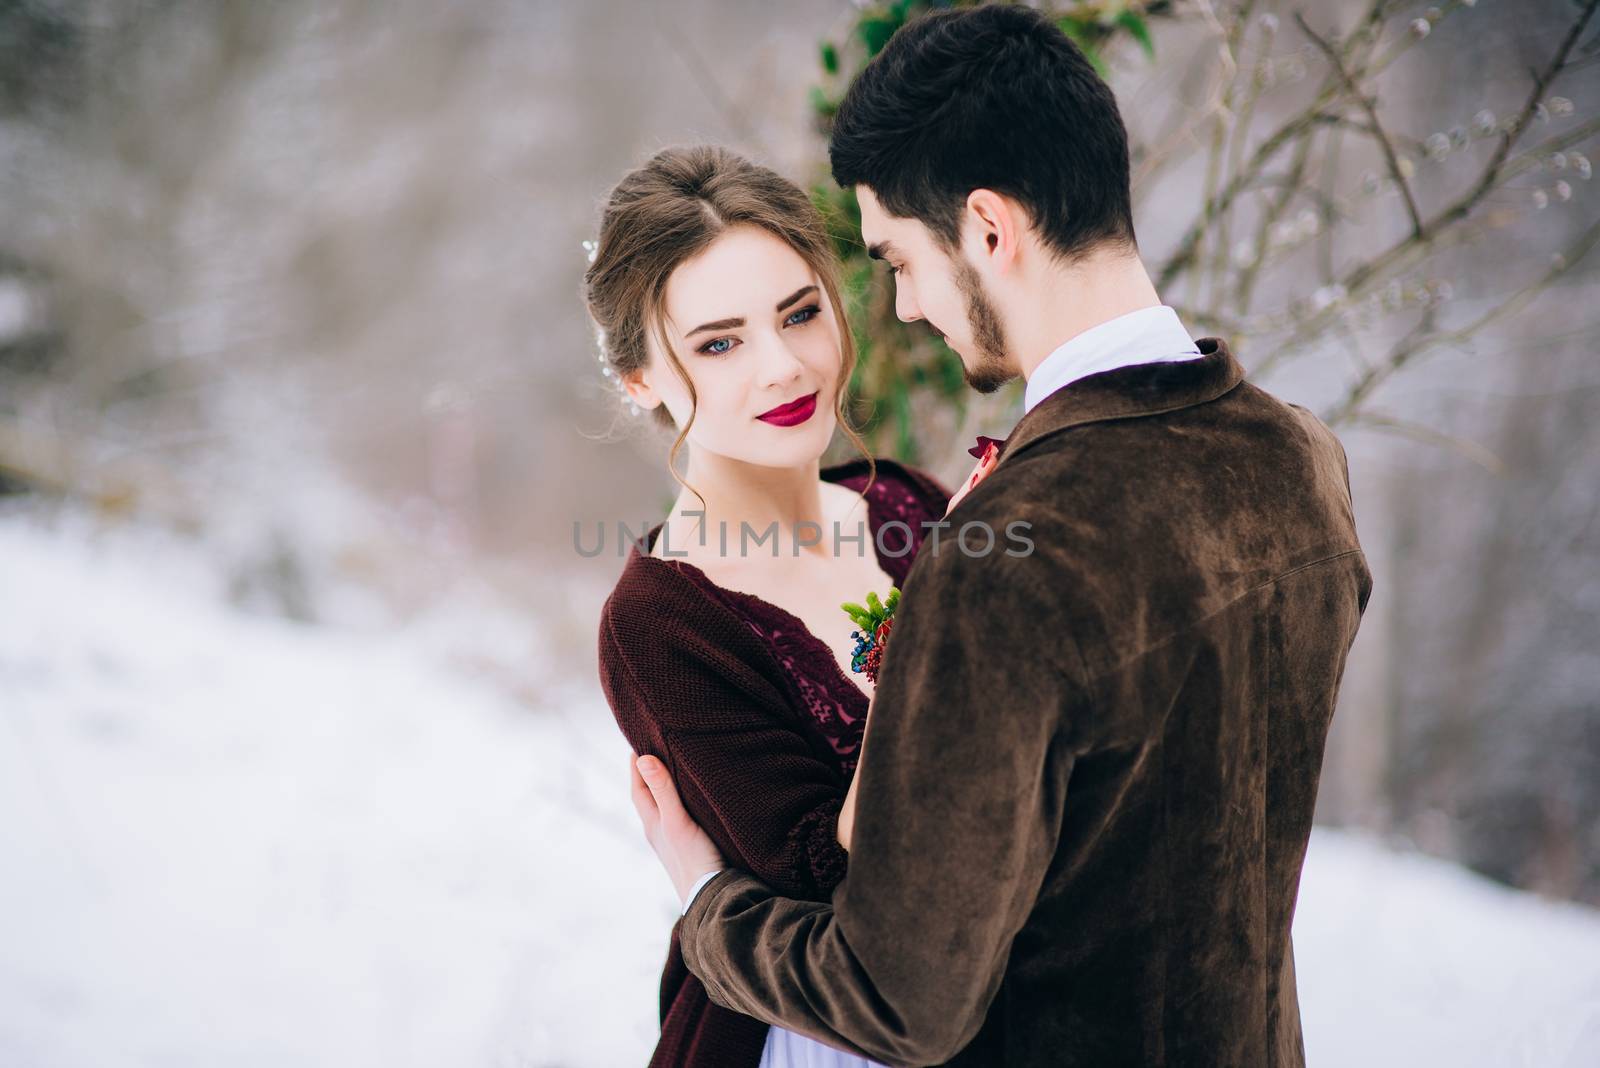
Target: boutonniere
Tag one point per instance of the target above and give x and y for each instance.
(985, 444)
(988, 451)
(873, 621)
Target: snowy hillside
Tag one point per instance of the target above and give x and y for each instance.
(233, 840)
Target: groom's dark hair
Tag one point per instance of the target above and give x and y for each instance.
(992, 97)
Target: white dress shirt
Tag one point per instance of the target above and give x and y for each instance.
(695, 889)
(1148, 335)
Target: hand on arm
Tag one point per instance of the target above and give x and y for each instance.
(685, 850)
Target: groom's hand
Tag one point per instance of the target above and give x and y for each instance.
(683, 848)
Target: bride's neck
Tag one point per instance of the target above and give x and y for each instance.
(737, 492)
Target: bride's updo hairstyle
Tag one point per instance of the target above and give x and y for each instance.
(669, 211)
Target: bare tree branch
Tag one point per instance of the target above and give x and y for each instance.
(1432, 232)
(1484, 458)
(1184, 256)
(1367, 105)
(1251, 271)
(1422, 337)
(1541, 82)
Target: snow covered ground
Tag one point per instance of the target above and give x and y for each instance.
(227, 839)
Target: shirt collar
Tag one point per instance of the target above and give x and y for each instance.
(1149, 388)
(1147, 335)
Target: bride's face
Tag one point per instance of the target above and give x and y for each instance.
(754, 331)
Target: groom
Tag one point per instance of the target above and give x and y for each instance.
(1089, 775)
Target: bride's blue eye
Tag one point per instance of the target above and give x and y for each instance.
(710, 347)
(810, 312)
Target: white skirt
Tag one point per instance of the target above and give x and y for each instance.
(785, 1049)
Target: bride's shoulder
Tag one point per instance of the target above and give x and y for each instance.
(660, 620)
(646, 583)
(653, 591)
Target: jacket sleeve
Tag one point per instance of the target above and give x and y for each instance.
(698, 699)
(960, 802)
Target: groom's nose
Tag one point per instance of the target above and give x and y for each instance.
(905, 303)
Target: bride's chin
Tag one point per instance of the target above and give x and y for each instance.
(797, 455)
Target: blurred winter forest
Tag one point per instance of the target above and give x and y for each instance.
(293, 287)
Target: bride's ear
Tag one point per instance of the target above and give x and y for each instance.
(640, 391)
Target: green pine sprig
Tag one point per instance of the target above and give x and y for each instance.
(869, 616)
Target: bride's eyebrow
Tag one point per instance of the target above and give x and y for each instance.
(734, 324)
(720, 324)
(795, 297)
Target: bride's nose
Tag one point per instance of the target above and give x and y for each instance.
(779, 366)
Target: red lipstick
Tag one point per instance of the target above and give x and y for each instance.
(792, 414)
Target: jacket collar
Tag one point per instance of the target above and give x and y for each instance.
(1129, 392)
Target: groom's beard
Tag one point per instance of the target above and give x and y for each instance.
(988, 333)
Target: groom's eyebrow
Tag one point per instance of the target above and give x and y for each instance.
(881, 250)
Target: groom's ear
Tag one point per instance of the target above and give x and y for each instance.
(996, 223)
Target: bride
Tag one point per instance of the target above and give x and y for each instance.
(723, 649)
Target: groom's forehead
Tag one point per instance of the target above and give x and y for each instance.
(886, 236)
(876, 224)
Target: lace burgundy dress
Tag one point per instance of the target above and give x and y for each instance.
(758, 723)
(834, 702)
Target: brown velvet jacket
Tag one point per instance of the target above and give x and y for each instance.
(1088, 779)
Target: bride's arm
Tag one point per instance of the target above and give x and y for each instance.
(847, 811)
(740, 764)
